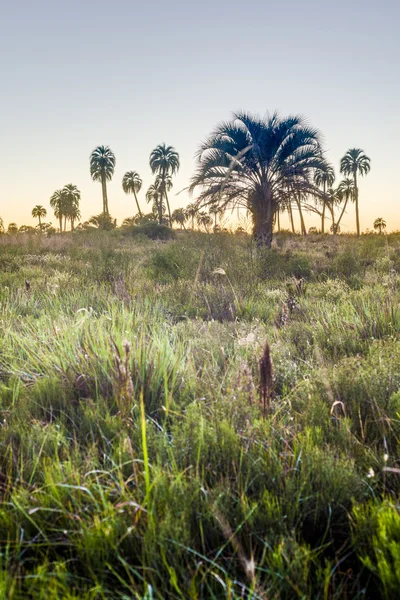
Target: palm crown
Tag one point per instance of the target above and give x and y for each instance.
(38, 212)
(258, 164)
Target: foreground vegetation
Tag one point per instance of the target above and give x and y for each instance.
(137, 460)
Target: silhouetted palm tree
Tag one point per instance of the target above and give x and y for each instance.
(131, 184)
(354, 163)
(324, 177)
(57, 203)
(38, 212)
(345, 192)
(179, 216)
(155, 196)
(191, 211)
(164, 160)
(256, 163)
(71, 199)
(379, 224)
(102, 165)
(203, 219)
(1, 225)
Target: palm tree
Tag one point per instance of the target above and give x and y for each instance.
(204, 219)
(216, 212)
(256, 164)
(379, 224)
(12, 229)
(354, 163)
(131, 184)
(102, 165)
(164, 160)
(345, 191)
(71, 199)
(191, 212)
(179, 216)
(324, 178)
(154, 195)
(57, 203)
(38, 212)
(1, 225)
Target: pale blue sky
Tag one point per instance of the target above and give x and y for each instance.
(132, 74)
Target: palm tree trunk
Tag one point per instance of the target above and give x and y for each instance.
(356, 197)
(323, 210)
(342, 213)
(169, 210)
(291, 216)
(65, 222)
(137, 204)
(40, 224)
(60, 219)
(104, 192)
(278, 220)
(303, 225)
(263, 217)
(332, 215)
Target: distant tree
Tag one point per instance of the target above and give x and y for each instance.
(204, 220)
(324, 177)
(258, 164)
(155, 196)
(216, 212)
(179, 216)
(38, 212)
(191, 212)
(164, 160)
(131, 184)
(71, 200)
(58, 204)
(345, 192)
(129, 222)
(1, 225)
(354, 163)
(12, 229)
(102, 166)
(379, 225)
(102, 222)
(27, 229)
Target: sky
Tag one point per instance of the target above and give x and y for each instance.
(132, 74)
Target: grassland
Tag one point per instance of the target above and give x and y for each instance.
(136, 458)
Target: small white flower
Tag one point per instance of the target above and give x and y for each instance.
(385, 458)
(371, 473)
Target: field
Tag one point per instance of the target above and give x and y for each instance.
(153, 446)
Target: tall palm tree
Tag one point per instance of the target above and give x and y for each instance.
(57, 203)
(38, 212)
(155, 196)
(204, 219)
(354, 163)
(102, 165)
(131, 184)
(164, 160)
(324, 178)
(179, 216)
(345, 191)
(379, 224)
(191, 212)
(255, 163)
(72, 197)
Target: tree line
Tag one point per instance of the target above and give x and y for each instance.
(268, 166)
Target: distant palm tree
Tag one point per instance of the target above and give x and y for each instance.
(58, 204)
(155, 196)
(256, 164)
(324, 178)
(102, 165)
(191, 211)
(12, 229)
(203, 219)
(354, 163)
(1, 225)
(345, 192)
(379, 224)
(71, 196)
(179, 216)
(216, 211)
(164, 160)
(131, 184)
(38, 212)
